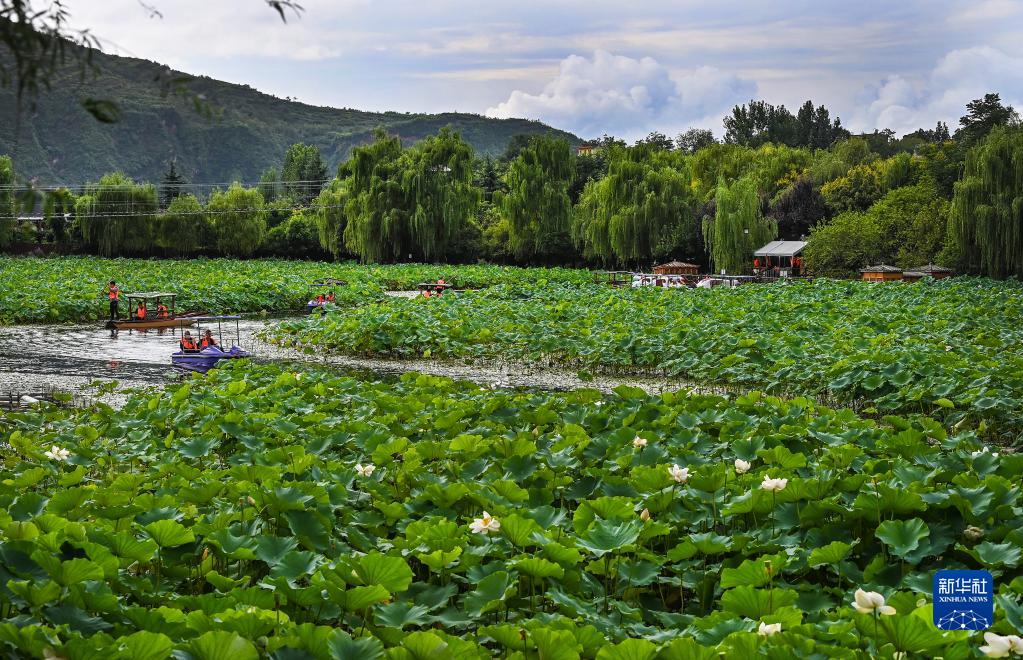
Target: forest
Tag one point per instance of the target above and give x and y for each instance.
(931, 196)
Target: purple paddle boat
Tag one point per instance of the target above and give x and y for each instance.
(204, 352)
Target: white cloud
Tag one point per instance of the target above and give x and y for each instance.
(626, 97)
(959, 77)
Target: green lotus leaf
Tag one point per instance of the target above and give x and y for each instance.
(222, 645)
(392, 573)
(399, 615)
(629, 649)
(169, 533)
(606, 536)
(902, 536)
(144, 645)
(829, 554)
(426, 646)
(343, 646)
(519, 530)
(489, 593)
(539, 568)
(358, 599)
(555, 644)
(756, 603)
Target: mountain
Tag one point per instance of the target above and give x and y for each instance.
(245, 132)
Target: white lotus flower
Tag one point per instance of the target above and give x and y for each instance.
(639, 442)
(1016, 644)
(774, 485)
(868, 602)
(998, 646)
(485, 525)
(767, 629)
(741, 466)
(644, 515)
(983, 451)
(365, 470)
(679, 474)
(55, 453)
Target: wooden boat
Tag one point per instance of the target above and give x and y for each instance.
(152, 318)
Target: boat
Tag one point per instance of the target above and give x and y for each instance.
(428, 289)
(315, 305)
(203, 360)
(152, 319)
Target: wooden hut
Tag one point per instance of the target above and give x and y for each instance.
(882, 273)
(677, 268)
(930, 270)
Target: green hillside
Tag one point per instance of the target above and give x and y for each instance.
(59, 142)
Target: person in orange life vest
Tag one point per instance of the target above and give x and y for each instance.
(756, 264)
(426, 293)
(140, 312)
(114, 294)
(207, 340)
(187, 343)
(162, 312)
(320, 299)
(440, 286)
(330, 297)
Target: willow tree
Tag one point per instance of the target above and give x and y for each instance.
(118, 216)
(400, 202)
(238, 217)
(184, 227)
(377, 228)
(986, 223)
(640, 210)
(331, 216)
(737, 228)
(437, 179)
(537, 205)
(7, 214)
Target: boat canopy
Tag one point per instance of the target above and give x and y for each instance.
(150, 295)
(781, 249)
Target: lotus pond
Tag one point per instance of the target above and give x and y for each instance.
(257, 512)
(64, 289)
(952, 349)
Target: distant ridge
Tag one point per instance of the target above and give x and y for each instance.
(59, 142)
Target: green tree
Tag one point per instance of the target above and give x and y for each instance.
(238, 217)
(295, 238)
(437, 181)
(694, 139)
(118, 216)
(7, 206)
(983, 116)
(841, 247)
(330, 214)
(537, 205)
(377, 227)
(641, 210)
(405, 202)
(170, 187)
(184, 228)
(737, 228)
(304, 173)
(270, 186)
(58, 213)
(986, 222)
(797, 208)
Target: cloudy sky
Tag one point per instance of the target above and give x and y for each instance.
(593, 66)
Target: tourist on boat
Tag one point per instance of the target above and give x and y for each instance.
(320, 299)
(207, 340)
(162, 312)
(140, 313)
(330, 297)
(188, 343)
(114, 294)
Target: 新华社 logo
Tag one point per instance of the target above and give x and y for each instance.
(963, 600)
